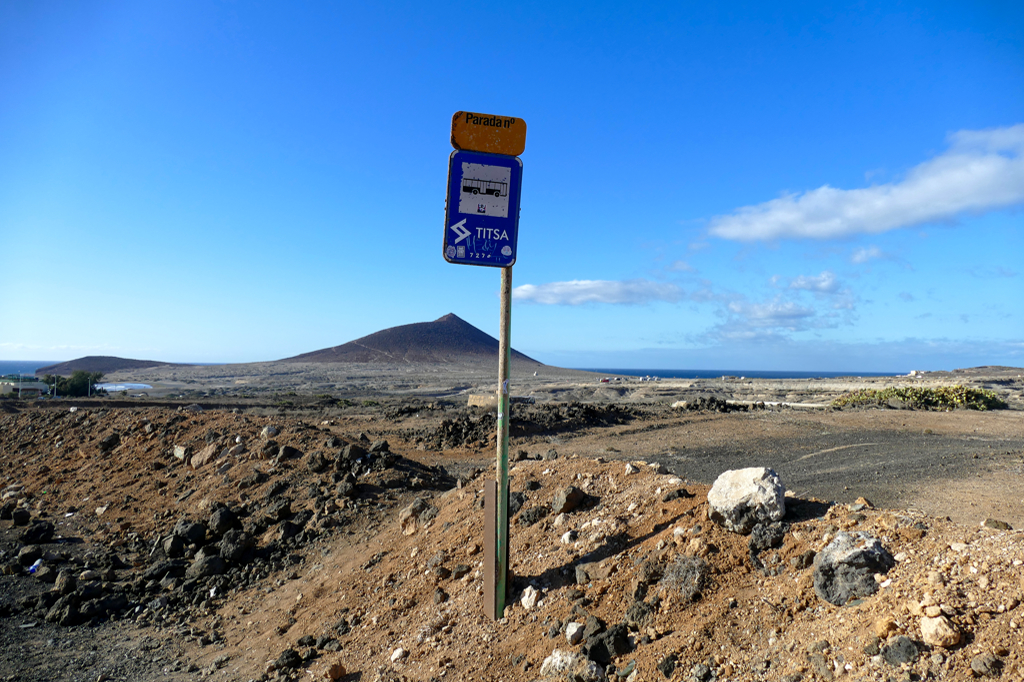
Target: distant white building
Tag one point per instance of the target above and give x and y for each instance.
(27, 389)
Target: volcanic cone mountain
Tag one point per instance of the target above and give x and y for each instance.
(98, 363)
(447, 340)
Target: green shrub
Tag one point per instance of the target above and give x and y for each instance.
(939, 398)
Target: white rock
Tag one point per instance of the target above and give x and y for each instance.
(398, 654)
(658, 468)
(632, 507)
(560, 520)
(568, 665)
(530, 597)
(557, 663)
(630, 469)
(938, 631)
(574, 633)
(675, 480)
(569, 537)
(742, 498)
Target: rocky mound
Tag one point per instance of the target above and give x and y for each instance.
(447, 340)
(97, 363)
(269, 547)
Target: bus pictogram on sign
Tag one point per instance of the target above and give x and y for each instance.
(473, 186)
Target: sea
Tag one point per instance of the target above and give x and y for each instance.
(28, 368)
(718, 373)
(24, 367)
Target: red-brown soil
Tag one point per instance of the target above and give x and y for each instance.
(352, 565)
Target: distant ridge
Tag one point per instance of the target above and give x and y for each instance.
(97, 363)
(446, 340)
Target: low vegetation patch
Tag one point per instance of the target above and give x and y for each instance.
(940, 398)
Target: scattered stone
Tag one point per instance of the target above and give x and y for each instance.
(574, 633)
(938, 631)
(533, 515)
(986, 665)
(222, 520)
(846, 568)
(174, 546)
(334, 671)
(204, 456)
(288, 660)
(409, 517)
(205, 566)
(20, 517)
(398, 654)
(190, 531)
(65, 583)
(530, 597)
(899, 650)
(630, 469)
(110, 442)
(38, 533)
(234, 545)
(667, 665)
(567, 499)
(996, 524)
(804, 560)
(29, 554)
(742, 498)
(604, 646)
(884, 627)
(701, 673)
(677, 494)
(566, 665)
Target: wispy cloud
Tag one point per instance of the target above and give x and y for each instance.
(766, 322)
(981, 171)
(991, 272)
(578, 292)
(825, 283)
(681, 266)
(867, 253)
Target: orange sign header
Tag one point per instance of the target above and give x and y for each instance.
(487, 133)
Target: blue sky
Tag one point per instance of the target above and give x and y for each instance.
(800, 186)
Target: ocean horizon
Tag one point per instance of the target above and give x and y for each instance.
(718, 373)
(24, 367)
(28, 368)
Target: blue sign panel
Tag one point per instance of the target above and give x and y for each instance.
(481, 217)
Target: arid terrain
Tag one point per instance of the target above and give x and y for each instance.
(271, 521)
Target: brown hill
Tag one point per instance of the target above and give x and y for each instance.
(97, 363)
(446, 340)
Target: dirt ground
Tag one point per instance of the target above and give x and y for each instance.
(331, 576)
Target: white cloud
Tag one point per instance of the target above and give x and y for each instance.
(866, 254)
(681, 266)
(825, 283)
(774, 314)
(577, 292)
(982, 170)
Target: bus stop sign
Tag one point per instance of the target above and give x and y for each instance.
(481, 217)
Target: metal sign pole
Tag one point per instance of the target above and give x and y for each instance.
(504, 360)
(481, 217)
